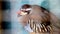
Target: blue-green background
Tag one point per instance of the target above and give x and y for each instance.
(11, 24)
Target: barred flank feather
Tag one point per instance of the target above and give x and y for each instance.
(38, 28)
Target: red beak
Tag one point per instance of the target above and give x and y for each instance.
(19, 12)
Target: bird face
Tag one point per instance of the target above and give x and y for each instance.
(24, 11)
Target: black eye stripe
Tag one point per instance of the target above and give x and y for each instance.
(27, 11)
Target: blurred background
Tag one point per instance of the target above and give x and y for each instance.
(9, 22)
